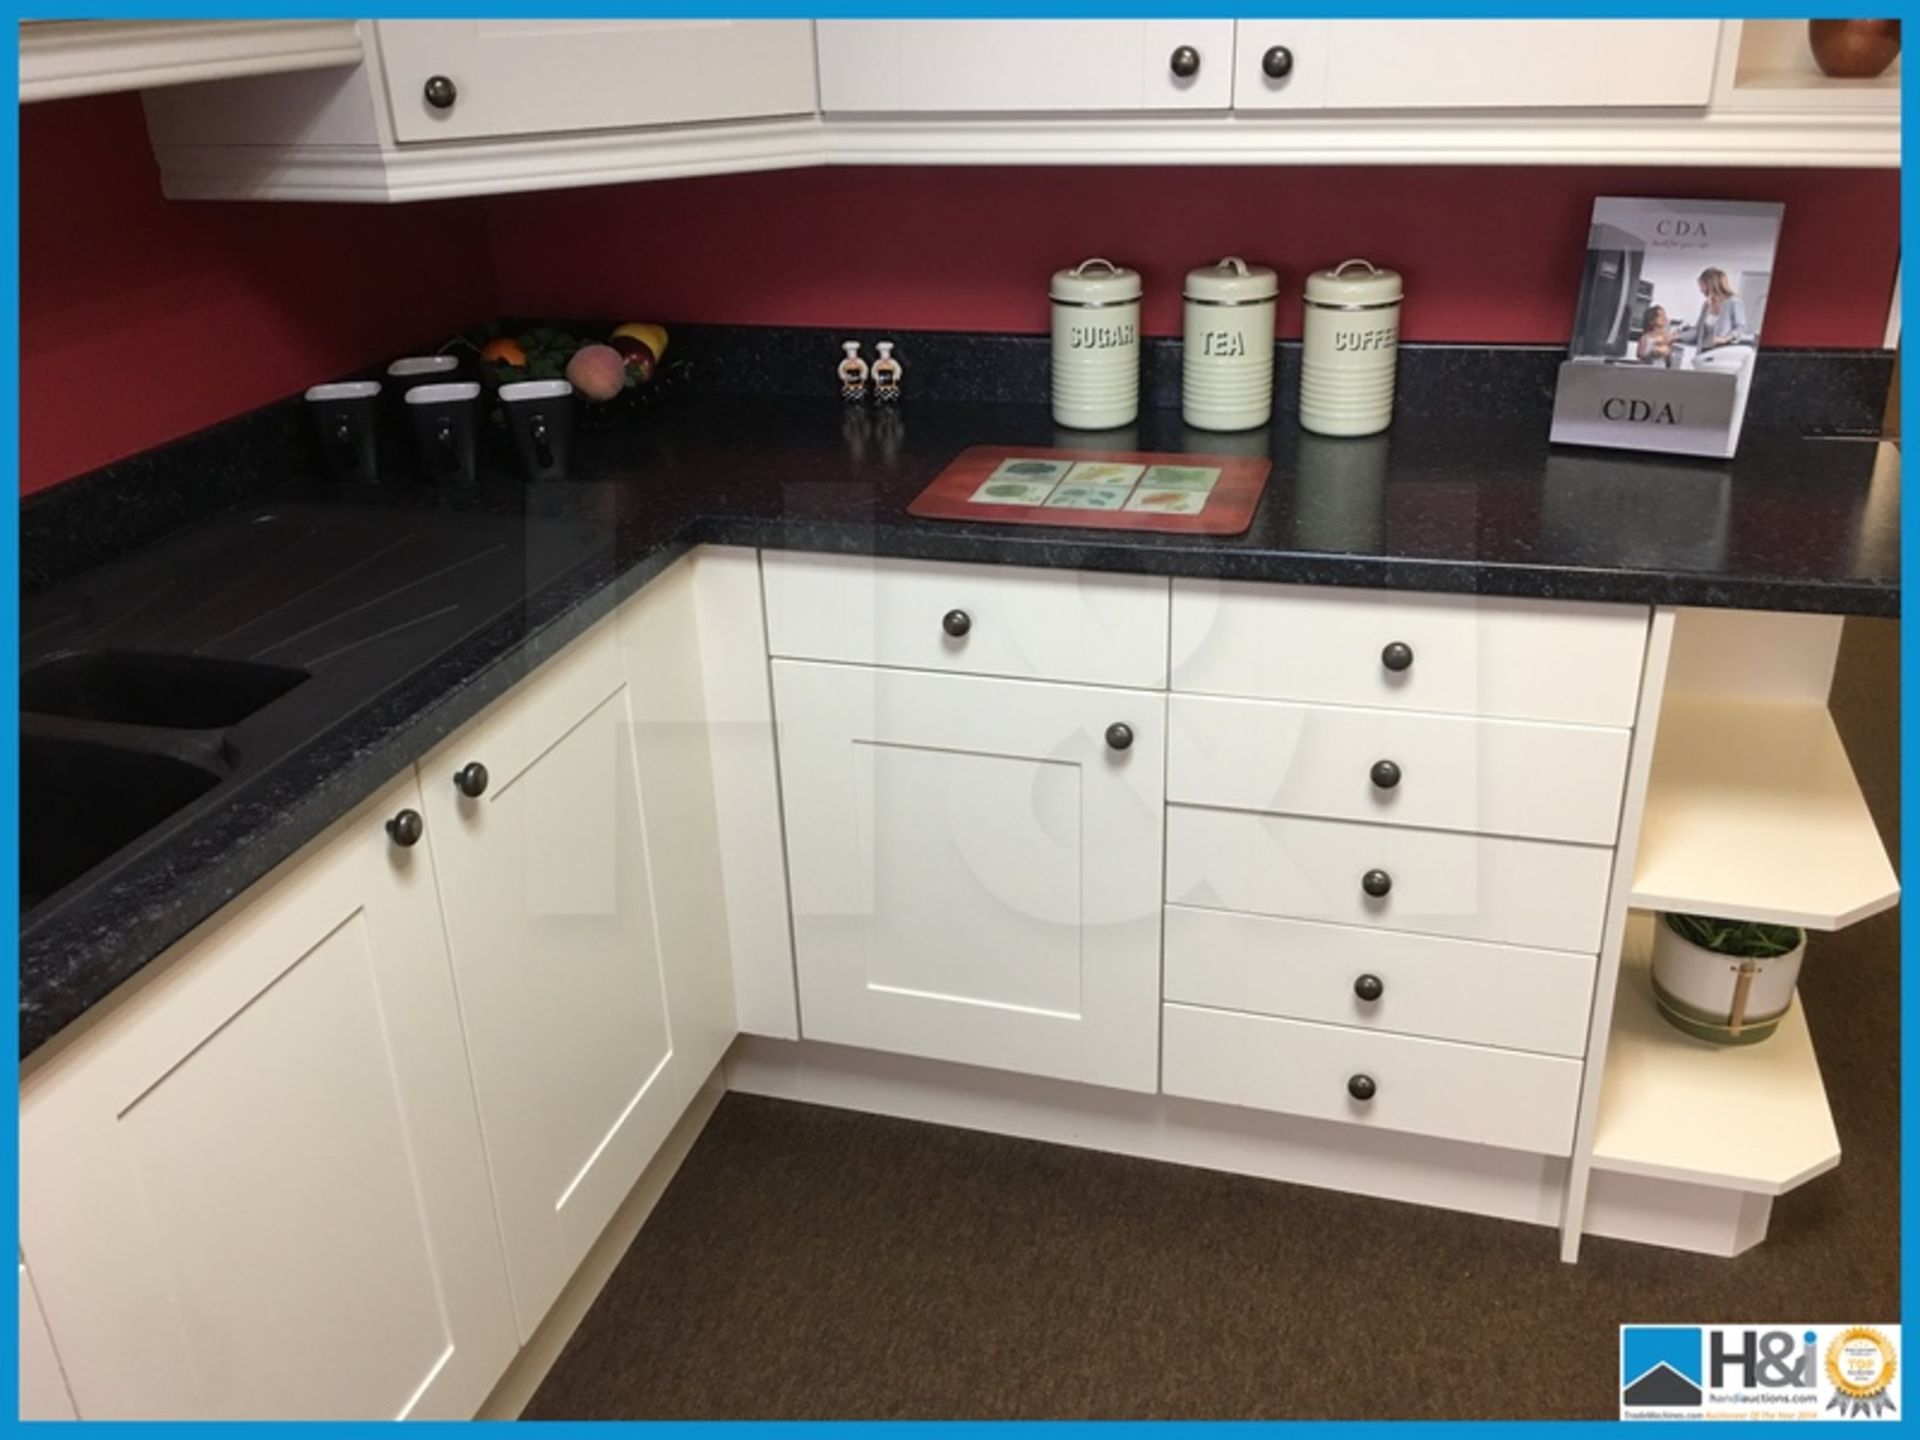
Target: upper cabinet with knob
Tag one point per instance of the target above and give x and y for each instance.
(971, 66)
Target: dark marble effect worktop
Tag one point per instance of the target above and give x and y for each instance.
(1442, 502)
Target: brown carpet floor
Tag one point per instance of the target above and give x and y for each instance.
(812, 1263)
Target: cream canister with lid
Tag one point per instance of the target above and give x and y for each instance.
(1096, 345)
(1226, 357)
(1350, 342)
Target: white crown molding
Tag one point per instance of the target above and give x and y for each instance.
(437, 172)
(1455, 138)
(93, 57)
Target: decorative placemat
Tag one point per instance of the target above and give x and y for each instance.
(1097, 489)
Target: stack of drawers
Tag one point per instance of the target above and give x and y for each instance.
(1389, 844)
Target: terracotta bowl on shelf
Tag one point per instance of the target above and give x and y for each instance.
(1854, 49)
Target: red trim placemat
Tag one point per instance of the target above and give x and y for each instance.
(1097, 489)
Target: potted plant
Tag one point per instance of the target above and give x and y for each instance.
(1727, 981)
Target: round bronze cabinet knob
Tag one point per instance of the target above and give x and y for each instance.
(1185, 62)
(1119, 736)
(1397, 656)
(1277, 63)
(1362, 1088)
(440, 92)
(1369, 987)
(956, 623)
(406, 828)
(1376, 883)
(471, 780)
(1385, 774)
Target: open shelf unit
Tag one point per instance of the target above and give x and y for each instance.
(1768, 65)
(1753, 814)
(1736, 1117)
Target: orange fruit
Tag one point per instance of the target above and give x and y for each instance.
(505, 349)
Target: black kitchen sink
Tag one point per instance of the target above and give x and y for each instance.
(131, 687)
(81, 800)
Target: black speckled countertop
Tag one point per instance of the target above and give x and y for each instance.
(1439, 503)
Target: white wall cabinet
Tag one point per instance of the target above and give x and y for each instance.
(975, 868)
(532, 77)
(560, 929)
(257, 1190)
(973, 66)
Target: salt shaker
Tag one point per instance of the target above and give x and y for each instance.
(853, 373)
(1096, 345)
(886, 375)
(1349, 346)
(1226, 360)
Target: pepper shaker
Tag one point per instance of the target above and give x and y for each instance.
(1349, 346)
(1226, 354)
(1096, 345)
(853, 374)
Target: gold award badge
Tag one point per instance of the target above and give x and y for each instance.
(1861, 1365)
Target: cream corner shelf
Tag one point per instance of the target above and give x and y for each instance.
(1753, 814)
(1736, 1117)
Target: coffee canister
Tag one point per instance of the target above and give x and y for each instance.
(1349, 345)
(1096, 345)
(1226, 358)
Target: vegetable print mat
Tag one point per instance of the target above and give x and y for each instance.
(1097, 489)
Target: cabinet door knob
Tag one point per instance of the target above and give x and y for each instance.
(1397, 656)
(1369, 987)
(440, 92)
(406, 828)
(1376, 883)
(1119, 735)
(956, 623)
(1185, 62)
(471, 780)
(1361, 1087)
(1277, 63)
(1385, 774)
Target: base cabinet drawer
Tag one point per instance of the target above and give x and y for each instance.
(1456, 654)
(1474, 887)
(1425, 1087)
(1377, 980)
(1397, 767)
(1024, 624)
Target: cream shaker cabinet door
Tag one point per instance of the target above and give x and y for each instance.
(257, 1190)
(541, 846)
(975, 867)
(479, 79)
(43, 1389)
(973, 66)
(1503, 64)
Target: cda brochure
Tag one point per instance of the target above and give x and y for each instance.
(1665, 338)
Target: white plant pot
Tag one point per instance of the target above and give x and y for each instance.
(1721, 998)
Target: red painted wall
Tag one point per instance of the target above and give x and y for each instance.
(1489, 254)
(142, 319)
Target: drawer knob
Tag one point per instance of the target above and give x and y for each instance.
(956, 623)
(1119, 735)
(1397, 656)
(1185, 62)
(1369, 987)
(1376, 883)
(1361, 1087)
(406, 828)
(471, 780)
(1386, 774)
(1277, 63)
(440, 92)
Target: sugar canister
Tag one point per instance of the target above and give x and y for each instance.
(1349, 346)
(1226, 359)
(1096, 345)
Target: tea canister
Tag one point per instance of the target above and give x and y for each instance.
(1226, 361)
(1349, 345)
(1096, 345)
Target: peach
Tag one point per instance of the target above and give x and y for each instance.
(597, 372)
